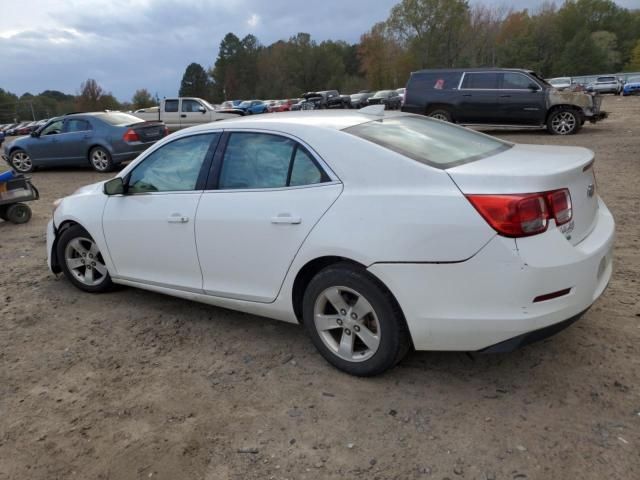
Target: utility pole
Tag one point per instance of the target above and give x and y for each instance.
(32, 112)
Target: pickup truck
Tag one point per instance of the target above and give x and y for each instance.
(183, 112)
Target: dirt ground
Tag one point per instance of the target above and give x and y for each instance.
(133, 385)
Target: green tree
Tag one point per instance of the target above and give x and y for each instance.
(195, 82)
(432, 29)
(634, 62)
(141, 99)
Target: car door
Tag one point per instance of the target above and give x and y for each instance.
(46, 146)
(521, 100)
(75, 140)
(150, 229)
(171, 113)
(192, 113)
(478, 98)
(269, 192)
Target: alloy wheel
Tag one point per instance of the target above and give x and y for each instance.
(440, 116)
(100, 159)
(85, 262)
(564, 123)
(21, 162)
(347, 324)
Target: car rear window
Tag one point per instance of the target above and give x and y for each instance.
(435, 80)
(428, 141)
(118, 119)
(606, 79)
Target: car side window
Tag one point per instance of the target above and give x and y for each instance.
(261, 160)
(76, 125)
(171, 106)
(516, 81)
(480, 81)
(174, 167)
(256, 160)
(304, 170)
(190, 106)
(52, 129)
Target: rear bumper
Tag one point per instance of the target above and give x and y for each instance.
(488, 299)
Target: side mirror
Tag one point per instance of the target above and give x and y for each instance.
(534, 87)
(115, 186)
(35, 134)
(202, 109)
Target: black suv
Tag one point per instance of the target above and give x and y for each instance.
(499, 97)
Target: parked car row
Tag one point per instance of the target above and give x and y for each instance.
(614, 84)
(21, 128)
(99, 139)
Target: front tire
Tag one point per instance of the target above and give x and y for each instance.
(564, 122)
(354, 321)
(21, 161)
(81, 261)
(100, 159)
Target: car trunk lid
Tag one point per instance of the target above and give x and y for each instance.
(533, 169)
(149, 131)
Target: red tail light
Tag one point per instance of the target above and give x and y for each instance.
(166, 131)
(131, 136)
(523, 215)
(560, 205)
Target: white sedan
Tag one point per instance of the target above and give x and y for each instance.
(378, 231)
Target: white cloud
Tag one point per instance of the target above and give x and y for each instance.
(253, 20)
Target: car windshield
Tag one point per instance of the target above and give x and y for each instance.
(606, 79)
(428, 141)
(382, 93)
(118, 119)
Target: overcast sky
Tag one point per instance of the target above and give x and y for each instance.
(130, 44)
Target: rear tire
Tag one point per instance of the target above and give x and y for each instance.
(100, 159)
(353, 321)
(81, 261)
(441, 114)
(17, 213)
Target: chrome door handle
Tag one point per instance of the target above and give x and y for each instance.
(177, 218)
(284, 218)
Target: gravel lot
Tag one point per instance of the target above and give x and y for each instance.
(133, 385)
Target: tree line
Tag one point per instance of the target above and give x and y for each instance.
(580, 37)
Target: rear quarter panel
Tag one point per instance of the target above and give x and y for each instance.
(392, 209)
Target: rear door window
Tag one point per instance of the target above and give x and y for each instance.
(171, 106)
(260, 160)
(480, 81)
(76, 125)
(435, 80)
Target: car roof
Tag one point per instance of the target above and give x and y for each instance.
(329, 119)
(475, 69)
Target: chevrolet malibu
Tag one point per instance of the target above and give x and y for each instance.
(378, 231)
